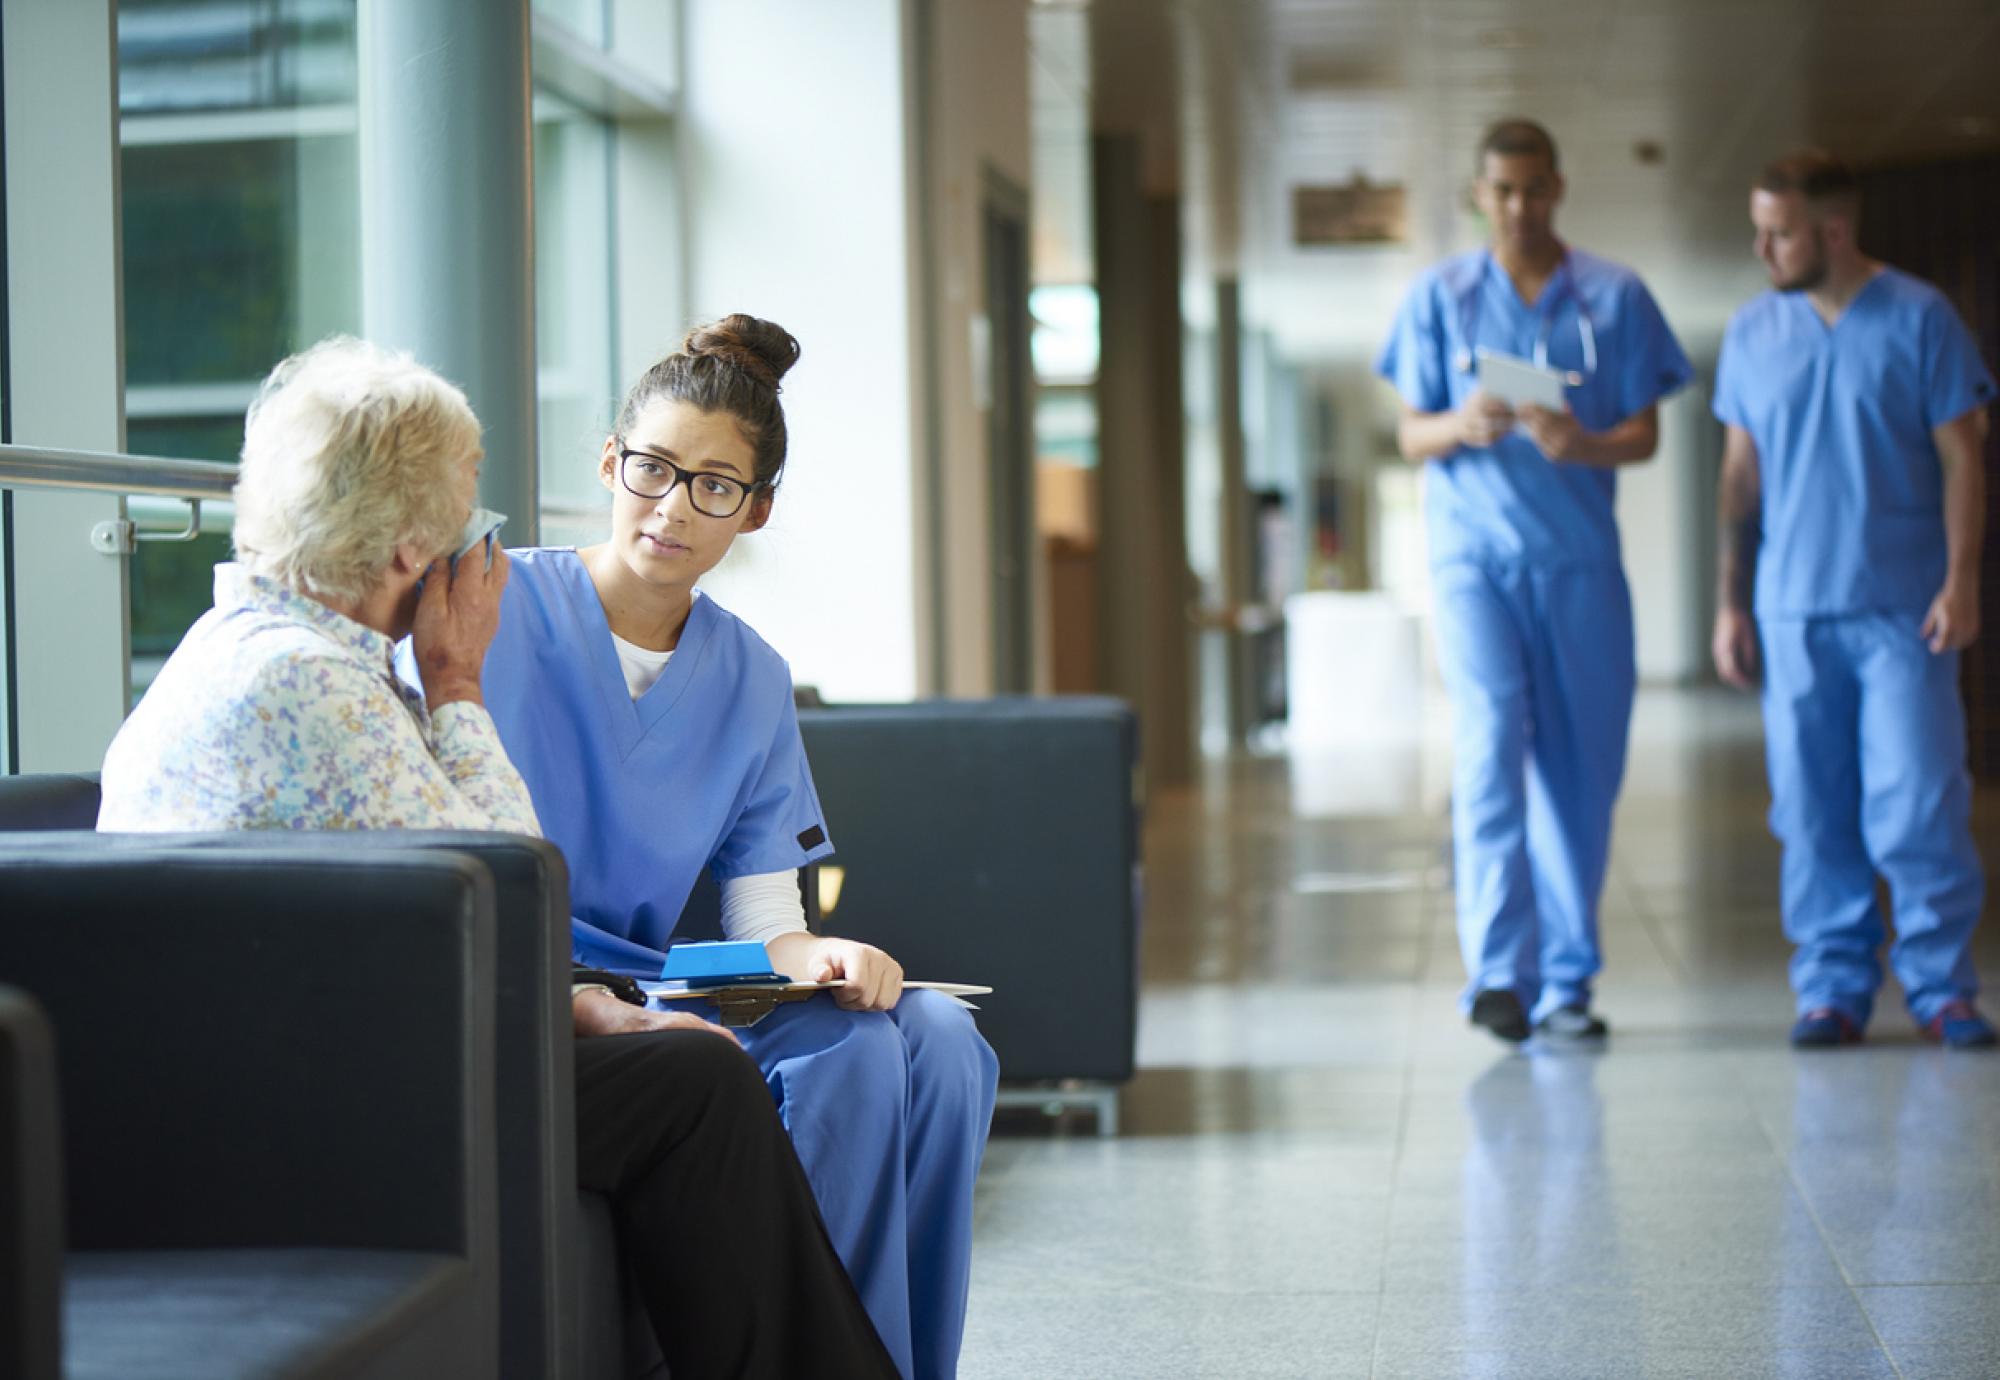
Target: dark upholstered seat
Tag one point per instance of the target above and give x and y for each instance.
(266, 1108)
(996, 841)
(185, 1315)
(562, 1304)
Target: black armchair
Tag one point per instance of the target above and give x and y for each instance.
(563, 1307)
(997, 841)
(274, 1082)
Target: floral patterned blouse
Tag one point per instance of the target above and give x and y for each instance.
(275, 712)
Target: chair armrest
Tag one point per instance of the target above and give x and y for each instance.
(285, 1051)
(48, 800)
(31, 1228)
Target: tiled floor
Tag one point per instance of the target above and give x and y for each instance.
(1324, 1173)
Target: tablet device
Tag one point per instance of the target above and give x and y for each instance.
(1516, 381)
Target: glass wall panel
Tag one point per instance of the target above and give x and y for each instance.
(210, 55)
(241, 243)
(241, 232)
(6, 631)
(587, 19)
(574, 322)
(172, 582)
(236, 254)
(6, 552)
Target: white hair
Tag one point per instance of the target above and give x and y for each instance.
(349, 450)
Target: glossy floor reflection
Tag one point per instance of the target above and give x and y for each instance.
(1324, 1173)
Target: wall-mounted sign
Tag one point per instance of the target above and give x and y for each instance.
(1360, 212)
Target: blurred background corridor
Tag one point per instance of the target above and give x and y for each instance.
(1090, 294)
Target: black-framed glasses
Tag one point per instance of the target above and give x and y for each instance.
(652, 477)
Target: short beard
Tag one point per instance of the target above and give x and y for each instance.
(1813, 274)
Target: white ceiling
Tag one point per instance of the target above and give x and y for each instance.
(1240, 100)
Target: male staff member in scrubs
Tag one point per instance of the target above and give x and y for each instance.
(1534, 621)
(1853, 506)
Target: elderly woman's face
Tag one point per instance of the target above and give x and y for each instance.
(402, 615)
(467, 475)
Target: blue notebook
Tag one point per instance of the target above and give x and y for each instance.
(719, 963)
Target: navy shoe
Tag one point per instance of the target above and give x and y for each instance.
(1823, 1027)
(1959, 1026)
(1572, 1023)
(1499, 1011)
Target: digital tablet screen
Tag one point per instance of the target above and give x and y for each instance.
(1516, 381)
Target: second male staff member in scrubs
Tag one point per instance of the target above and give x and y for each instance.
(1853, 492)
(1534, 620)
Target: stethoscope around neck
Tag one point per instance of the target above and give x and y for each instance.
(1466, 361)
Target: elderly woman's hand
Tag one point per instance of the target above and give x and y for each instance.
(597, 1012)
(457, 616)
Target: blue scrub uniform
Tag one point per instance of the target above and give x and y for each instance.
(1534, 620)
(1864, 730)
(888, 1110)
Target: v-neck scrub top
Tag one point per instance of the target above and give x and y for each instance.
(1508, 501)
(705, 769)
(888, 1110)
(1853, 492)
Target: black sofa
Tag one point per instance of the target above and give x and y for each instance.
(564, 1310)
(259, 1140)
(996, 841)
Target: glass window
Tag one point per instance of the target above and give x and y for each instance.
(587, 19)
(241, 233)
(172, 582)
(241, 243)
(212, 55)
(574, 321)
(7, 730)
(236, 254)
(6, 630)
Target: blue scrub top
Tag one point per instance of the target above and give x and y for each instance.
(706, 769)
(1853, 492)
(1508, 501)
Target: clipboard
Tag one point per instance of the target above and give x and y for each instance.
(1518, 382)
(748, 1003)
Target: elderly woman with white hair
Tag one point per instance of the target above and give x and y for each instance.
(359, 469)
(281, 709)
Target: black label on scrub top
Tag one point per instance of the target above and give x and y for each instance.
(813, 837)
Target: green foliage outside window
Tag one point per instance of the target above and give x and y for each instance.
(209, 230)
(173, 582)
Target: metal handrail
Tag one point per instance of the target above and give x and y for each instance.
(38, 467)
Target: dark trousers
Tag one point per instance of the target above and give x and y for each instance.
(715, 1217)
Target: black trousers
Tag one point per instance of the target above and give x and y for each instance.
(715, 1217)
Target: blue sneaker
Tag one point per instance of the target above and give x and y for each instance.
(1824, 1027)
(1959, 1026)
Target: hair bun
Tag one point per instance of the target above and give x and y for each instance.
(762, 349)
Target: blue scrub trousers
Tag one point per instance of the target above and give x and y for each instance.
(889, 1112)
(1864, 737)
(1539, 664)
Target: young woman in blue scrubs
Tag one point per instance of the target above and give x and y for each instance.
(657, 736)
(1853, 508)
(1533, 618)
